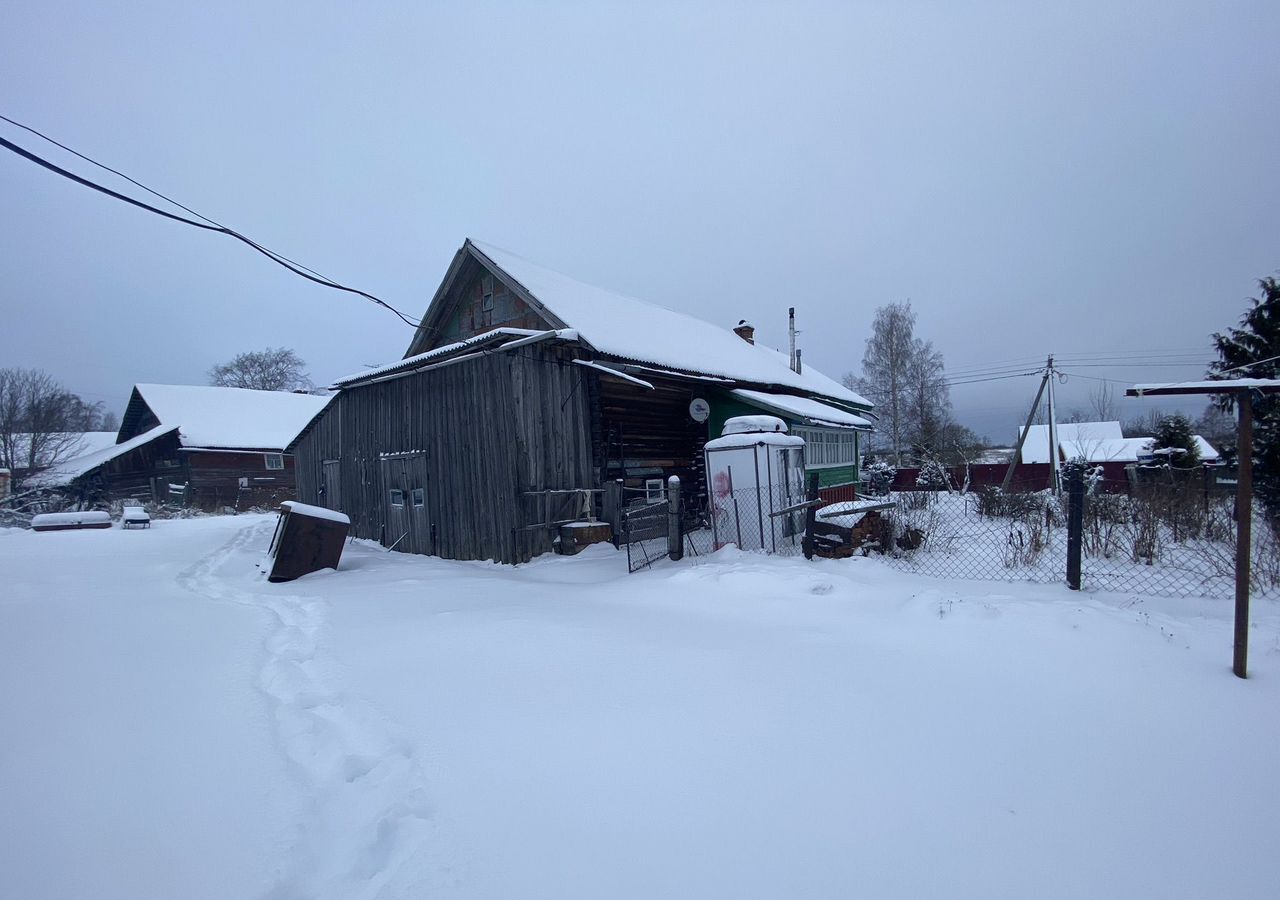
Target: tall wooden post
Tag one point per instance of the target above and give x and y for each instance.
(675, 536)
(1075, 524)
(612, 509)
(810, 516)
(1244, 529)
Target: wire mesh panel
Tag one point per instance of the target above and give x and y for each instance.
(644, 533)
(991, 535)
(1172, 535)
(1171, 539)
(770, 520)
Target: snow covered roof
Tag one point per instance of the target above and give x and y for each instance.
(1268, 385)
(68, 470)
(1095, 442)
(418, 359)
(754, 425)
(1035, 449)
(1124, 450)
(807, 410)
(636, 330)
(1207, 451)
(232, 418)
(753, 439)
(78, 442)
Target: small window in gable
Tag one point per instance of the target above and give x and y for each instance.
(273, 460)
(397, 498)
(486, 300)
(419, 497)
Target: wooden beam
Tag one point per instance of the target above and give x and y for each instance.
(1244, 530)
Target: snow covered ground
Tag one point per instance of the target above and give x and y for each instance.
(173, 726)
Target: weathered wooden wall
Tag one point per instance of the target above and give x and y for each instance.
(214, 477)
(491, 429)
(643, 434)
(211, 478)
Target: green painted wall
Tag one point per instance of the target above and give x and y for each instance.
(725, 406)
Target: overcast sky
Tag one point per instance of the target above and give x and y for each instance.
(1080, 179)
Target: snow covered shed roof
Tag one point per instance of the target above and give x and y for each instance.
(1083, 441)
(69, 470)
(221, 417)
(804, 409)
(62, 444)
(1208, 453)
(1212, 386)
(1035, 449)
(1124, 450)
(634, 330)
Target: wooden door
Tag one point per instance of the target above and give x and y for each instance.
(404, 496)
(331, 484)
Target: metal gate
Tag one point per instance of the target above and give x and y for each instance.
(644, 532)
(404, 497)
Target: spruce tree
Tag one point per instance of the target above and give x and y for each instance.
(1247, 352)
(1174, 433)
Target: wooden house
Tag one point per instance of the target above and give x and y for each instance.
(523, 392)
(208, 447)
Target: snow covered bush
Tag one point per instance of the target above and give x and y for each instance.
(878, 475)
(933, 476)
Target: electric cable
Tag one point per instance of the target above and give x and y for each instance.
(207, 224)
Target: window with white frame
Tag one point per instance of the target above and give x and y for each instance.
(397, 498)
(824, 447)
(419, 497)
(273, 460)
(653, 490)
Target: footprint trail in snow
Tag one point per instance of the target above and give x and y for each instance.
(366, 818)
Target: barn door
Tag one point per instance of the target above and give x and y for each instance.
(404, 496)
(331, 484)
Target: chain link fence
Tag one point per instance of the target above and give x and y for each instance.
(1170, 539)
(768, 519)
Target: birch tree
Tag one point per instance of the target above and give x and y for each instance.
(885, 362)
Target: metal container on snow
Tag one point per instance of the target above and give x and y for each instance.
(307, 539)
(755, 475)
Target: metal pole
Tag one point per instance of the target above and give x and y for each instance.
(1244, 530)
(791, 331)
(1075, 525)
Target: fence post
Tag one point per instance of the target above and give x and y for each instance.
(675, 536)
(1075, 523)
(810, 516)
(612, 509)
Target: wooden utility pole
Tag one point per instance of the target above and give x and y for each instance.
(1022, 436)
(1053, 432)
(1241, 391)
(1244, 529)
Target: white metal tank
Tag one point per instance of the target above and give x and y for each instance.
(754, 471)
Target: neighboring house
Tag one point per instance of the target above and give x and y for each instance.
(1101, 443)
(210, 447)
(521, 381)
(50, 448)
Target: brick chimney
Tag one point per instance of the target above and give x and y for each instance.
(745, 330)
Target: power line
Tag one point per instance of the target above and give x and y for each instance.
(207, 224)
(132, 181)
(958, 383)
